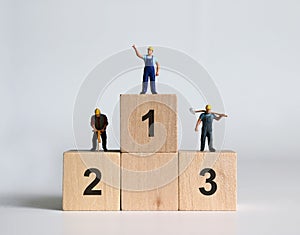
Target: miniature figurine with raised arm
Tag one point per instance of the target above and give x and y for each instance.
(207, 119)
(149, 69)
(99, 123)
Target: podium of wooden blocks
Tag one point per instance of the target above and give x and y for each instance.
(149, 157)
(149, 173)
(91, 180)
(207, 180)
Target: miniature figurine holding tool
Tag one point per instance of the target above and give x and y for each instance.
(207, 119)
(149, 69)
(99, 123)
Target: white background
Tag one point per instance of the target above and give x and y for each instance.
(249, 47)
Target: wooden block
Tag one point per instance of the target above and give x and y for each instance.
(207, 181)
(91, 180)
(138, 112)
(149, 182)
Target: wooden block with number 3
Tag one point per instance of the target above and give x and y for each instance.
(148, 123)
(91, 180)
(207, 181)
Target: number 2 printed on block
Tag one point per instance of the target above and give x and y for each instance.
(90, 188)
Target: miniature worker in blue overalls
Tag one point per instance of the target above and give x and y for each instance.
(149, 70)
(207, 119)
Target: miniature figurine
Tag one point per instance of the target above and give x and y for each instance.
(149, 69)
(99, 123)
(207, 119)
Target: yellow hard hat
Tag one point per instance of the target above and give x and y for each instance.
(97, 111)
(150, 48)
(208, 107)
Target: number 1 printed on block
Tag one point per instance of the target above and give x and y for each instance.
(150, 116)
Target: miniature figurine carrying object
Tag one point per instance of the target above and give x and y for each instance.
(207, 119)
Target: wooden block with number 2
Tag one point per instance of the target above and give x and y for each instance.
(91, 180)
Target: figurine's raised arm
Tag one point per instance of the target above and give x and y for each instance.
(138, 54)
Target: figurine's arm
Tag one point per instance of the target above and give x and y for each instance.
(197, 124)
(105, 125)
(157, 68)
(138, 54)
(104, 128)
(219, 116)
(93, 124)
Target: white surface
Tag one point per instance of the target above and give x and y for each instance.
(251, 49)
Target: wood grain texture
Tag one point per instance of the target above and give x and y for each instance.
(134, 132)
(225, 166)
(149, 182)
(74, 181)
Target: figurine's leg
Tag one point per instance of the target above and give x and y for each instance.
(153, 88)
(94, 141)
(145, 80)
(152, 81)
(203, 136)
(104, 140)
(210, 141)
(144, 87)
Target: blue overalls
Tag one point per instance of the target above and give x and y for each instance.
(149, 71)
(207, 120)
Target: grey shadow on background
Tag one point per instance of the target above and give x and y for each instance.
(47, 202)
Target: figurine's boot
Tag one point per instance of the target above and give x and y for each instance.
(203, 137)
(202, 143)
(104, 140)
(153, 88)
(144, 88)
(210, 141)
(94, 141)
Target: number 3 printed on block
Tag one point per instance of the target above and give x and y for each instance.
(209, 181)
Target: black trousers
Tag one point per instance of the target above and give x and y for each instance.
(103, 140)
(205, 133)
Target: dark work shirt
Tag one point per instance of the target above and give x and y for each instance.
(99, 122)
(207, 120)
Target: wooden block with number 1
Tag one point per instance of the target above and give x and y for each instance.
(91, 180)
(207, 181)
(148, 123)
